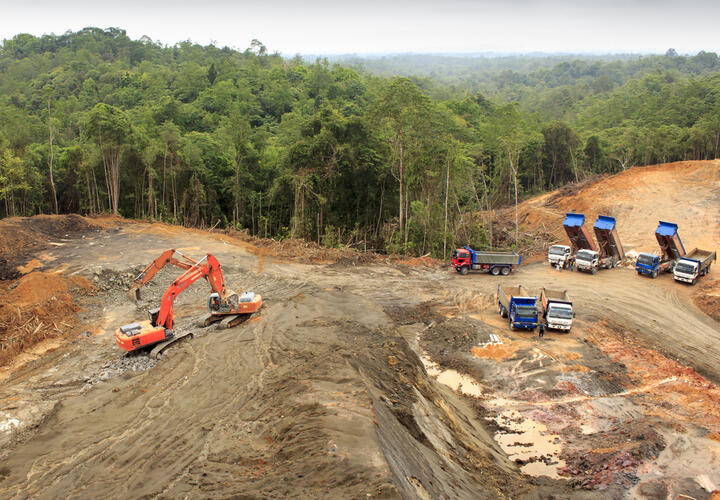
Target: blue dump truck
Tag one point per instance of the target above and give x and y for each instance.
(466, 259)
(516, 304)
(671, 250)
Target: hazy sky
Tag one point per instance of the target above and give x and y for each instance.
(374, 26)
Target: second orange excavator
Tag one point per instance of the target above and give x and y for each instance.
(224, 306)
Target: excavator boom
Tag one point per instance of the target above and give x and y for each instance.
(167, 257)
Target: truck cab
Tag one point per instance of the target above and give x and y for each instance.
(587, 260)
(462, 260)
(559, 316)
(523, 314)
(516, 304)
(647, 264)
(686, 270)
(694, 264)
(557, 252)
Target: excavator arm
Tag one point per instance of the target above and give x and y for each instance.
(209, 270)
(167, 257)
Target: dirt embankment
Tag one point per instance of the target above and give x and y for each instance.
(23, 238)
(687, 193)
(36, 307)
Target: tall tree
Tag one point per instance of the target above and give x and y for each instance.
(109, 127)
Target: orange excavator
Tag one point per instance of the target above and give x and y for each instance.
(224, 306)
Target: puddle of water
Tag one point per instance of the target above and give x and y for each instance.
(529, 440)
(459, 382)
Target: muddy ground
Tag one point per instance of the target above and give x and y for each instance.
(381, 380)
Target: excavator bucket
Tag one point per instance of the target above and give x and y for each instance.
(134, 294)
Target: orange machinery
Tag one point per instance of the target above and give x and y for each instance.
(223, 305)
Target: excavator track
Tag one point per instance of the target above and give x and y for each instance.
(158, 349)
(222, 322)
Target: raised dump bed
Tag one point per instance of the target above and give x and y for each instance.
(579, 236)
(671, 250)
(669, 240)
(608, 240)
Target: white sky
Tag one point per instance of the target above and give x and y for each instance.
(375, 26)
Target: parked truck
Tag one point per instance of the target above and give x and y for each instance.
(671, 250)
(609, 250)
(580, 238)
(466, 259)
(557, 309)
(558, 252)
(516, 304)
(693, 265)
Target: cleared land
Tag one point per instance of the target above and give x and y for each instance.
(364, 376)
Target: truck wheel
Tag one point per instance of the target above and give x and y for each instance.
(463, 270)
(693, 281)
(639, 273)
(593, 270)
(505, 271)
(495, 271)
(654, 274)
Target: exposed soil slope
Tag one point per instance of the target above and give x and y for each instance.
(687, 193)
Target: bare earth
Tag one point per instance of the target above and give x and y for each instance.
(383, 380)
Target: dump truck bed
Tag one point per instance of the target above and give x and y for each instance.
(496, 258)
(506, 293)
(578, 234)
(704, 257)
(669, 241)
(608, 240)
(554, 295)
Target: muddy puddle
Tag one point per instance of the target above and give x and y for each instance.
(530, 444)
(457, 381)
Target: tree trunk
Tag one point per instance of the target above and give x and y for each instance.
(401, 219)
(572, 157)
(447, 189)
(514, 172)
(164, 197)
(151, 206)
(52, 181)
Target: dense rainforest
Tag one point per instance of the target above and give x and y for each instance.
(343, 153)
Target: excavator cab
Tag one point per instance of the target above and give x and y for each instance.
(154, 313)
(214, 303)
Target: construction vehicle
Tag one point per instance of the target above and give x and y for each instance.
(466, 259)
(671, 250)
(610, 251)
(693, 265)
(224, 306)
(516, 304)
(557, 309)
(580, 238)
(558, 252)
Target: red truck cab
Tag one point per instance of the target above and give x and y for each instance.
(461, 260)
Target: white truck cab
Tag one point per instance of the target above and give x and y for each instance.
(557, 252)
(559, 316)
(587, 260)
